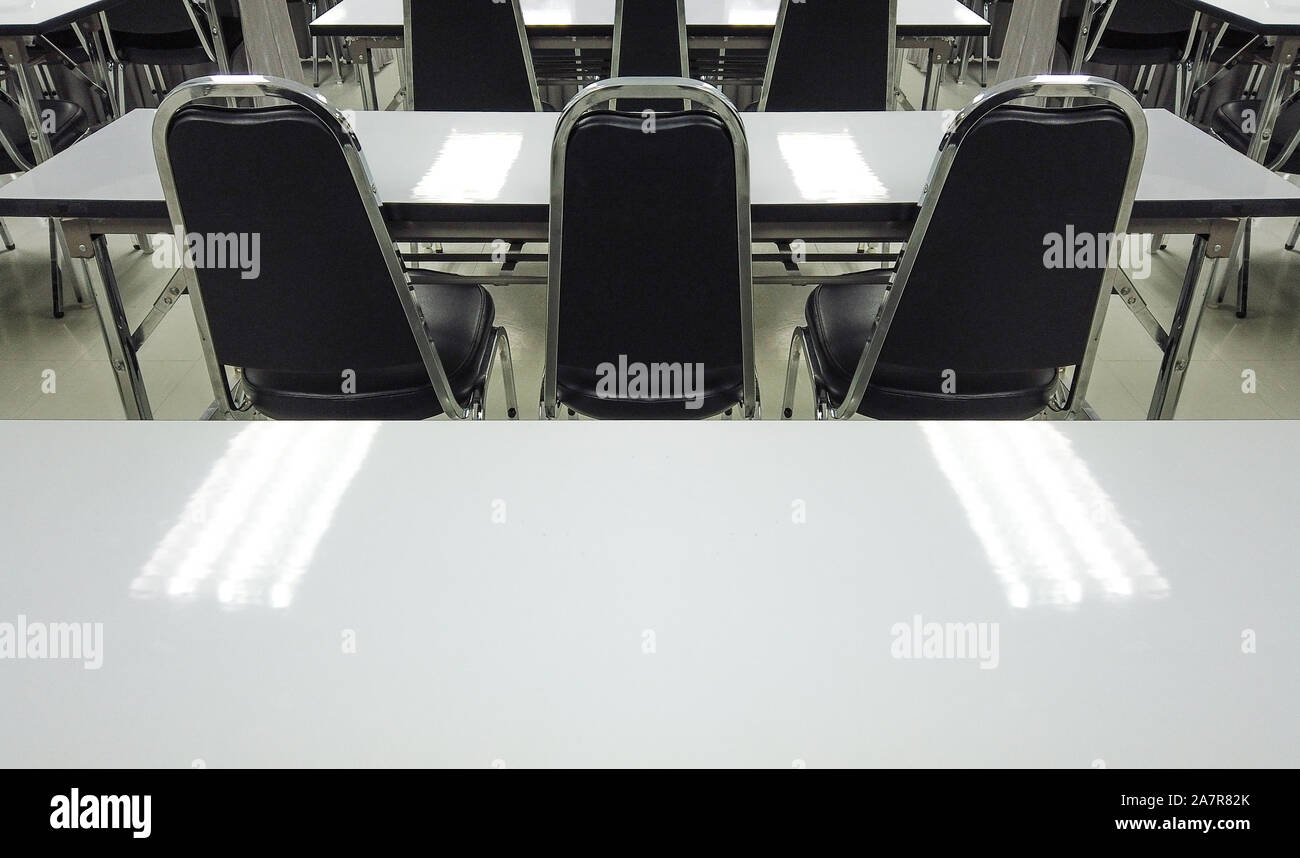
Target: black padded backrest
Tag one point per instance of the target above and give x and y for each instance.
(650, 39)
(156, 17)
(650, 259)
(831, 55)
(981, 297)
(466, 55)
(323, 301)
(1141, 17)
(15, 131)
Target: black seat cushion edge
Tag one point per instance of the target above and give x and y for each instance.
(840, 317)
(459, 316)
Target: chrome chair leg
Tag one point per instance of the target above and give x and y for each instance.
(1295, 236)
(792, 374)
(507, 374)
(9, 242)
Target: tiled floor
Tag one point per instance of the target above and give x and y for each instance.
(59, 369)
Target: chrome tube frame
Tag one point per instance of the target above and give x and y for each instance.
(704, 95)
(408, 57)
(891, 53)
(222, 91)
(1041, 86)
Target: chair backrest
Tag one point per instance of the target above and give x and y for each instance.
(1141, 17)
(1151, 17)
(650, 39)
(156, 17)
(15, 147)
(832, 55)
(468, 55)
(979, 288)
(650, 235)
(292, 267)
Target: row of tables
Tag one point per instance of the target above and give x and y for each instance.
(814, 176)
(587, 24)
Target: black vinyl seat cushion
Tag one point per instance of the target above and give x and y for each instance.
(1127, 49)
(458, 318)
(722, 390)
(841, 317)
(70, 122)
(1229, 121)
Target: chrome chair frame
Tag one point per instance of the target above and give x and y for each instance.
(1071, 403)
(408, 56)
(891, 68)
(704, 95)
(222, 91)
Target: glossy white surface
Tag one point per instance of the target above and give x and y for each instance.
(1266, 17)
(29, 17)
(795, 159)
(234, 562)
(935, 17)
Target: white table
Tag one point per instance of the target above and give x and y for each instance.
(384, 17)
(21, 23)
(562, 24)
(639, 622)
(827, 176)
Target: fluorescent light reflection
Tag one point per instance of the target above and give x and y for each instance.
(250, 531)
(829, 168)
(471, 168)
(547, 13)
(1052, 535)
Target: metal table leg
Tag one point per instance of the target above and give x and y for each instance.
(365, 74)
(112, 319)
(1187, 321)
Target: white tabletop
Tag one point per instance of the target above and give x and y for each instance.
(1263, 17)
(496, 166)
(604, 594)
(33, 17)
(384, 17)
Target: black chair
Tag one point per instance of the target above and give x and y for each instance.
(468, 55)
(975, 323)
(650, 41)
(157, 33)
(66, 123)
(329, 326)
(634, 331)
(1143, 33)
(832, 55)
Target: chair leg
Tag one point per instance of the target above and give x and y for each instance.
(507, 374)
(1295, 236)
(56, 275)
(5, 237)
(1243, 277)
(792, 374)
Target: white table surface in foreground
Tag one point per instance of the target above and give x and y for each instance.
(575, 594)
